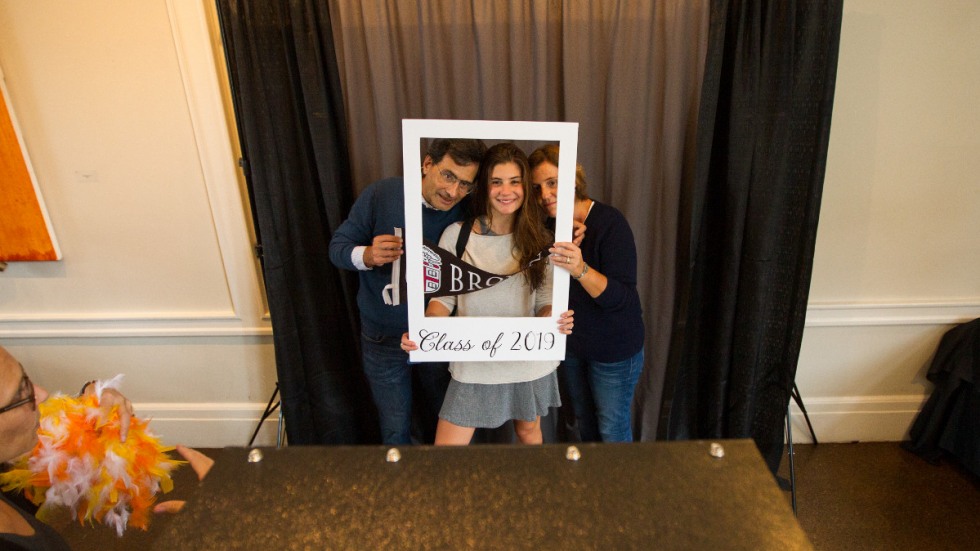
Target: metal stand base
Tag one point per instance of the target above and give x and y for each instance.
(270, 408)
(795, 393)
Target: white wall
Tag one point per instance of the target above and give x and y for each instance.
(123, 117)
(158, 281)
(898, 249)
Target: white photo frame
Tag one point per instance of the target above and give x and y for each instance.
(484, 338)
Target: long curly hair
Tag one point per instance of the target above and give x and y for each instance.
(530, 235)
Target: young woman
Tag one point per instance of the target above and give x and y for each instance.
(507, 233)
(604, 357)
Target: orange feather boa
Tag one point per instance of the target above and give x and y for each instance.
(80, 463)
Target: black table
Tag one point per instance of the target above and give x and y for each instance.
(670, 495)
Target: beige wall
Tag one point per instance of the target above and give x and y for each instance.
(898, 249)
(123, 116)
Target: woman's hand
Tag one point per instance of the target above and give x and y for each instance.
(113, 398)
(198, 461)
(201, 465)
(568, 256)
(578, 232)
(408, 345)
(565, 322)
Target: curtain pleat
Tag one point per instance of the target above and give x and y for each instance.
(632, 74)
(289, 108)
(441, 60)
(766, 104)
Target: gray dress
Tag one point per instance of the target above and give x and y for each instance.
(488, 394)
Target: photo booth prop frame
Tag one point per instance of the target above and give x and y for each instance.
(484, 338)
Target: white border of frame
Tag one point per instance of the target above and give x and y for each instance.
(476, 338)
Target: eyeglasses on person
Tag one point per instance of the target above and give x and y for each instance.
(29, 399)
(451, 179)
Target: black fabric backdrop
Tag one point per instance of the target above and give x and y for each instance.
(747, 253)
(745, 242)
(290, 113)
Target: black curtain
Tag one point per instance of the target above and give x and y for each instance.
(747, 237)
(289, 106)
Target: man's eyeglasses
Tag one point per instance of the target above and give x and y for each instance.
(29, 399)
(451, 179)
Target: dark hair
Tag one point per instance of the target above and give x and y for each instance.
(530, 235)
(462, 151)
(549, 154)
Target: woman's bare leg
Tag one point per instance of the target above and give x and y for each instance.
(449, 434)
(529, 432)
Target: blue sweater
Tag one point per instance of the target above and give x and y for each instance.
(379, 209)
(608, 328)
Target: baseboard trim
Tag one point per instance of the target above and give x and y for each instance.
(214, 425)
(837, 419)
(856, 418)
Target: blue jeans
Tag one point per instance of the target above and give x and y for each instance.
(390, 377)
(601, 394)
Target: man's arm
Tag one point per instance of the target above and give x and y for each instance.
(384, 249)
(354, 245)
(355, 234)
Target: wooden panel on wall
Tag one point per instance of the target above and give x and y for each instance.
(25, 232)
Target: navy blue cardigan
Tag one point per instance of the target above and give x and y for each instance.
(608, 328)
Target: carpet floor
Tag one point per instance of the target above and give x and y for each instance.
(876, 495)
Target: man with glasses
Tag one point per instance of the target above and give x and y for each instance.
(366, 242)
(27, 391)
(19, 422)
(19, 414)
(18, 434)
